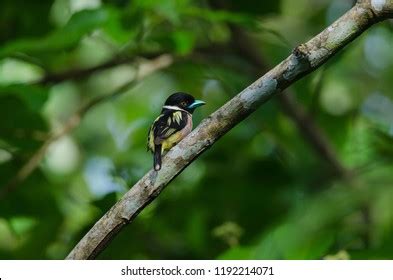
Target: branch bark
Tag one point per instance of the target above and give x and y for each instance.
(304, 59)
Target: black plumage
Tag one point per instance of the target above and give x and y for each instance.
(173, 124)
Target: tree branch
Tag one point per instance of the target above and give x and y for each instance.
(304, 59)
(119, 59)
(307, 127)
(73, 74)
(144, 69)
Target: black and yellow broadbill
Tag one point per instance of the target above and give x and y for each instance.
(174, 123)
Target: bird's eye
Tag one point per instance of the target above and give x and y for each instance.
(183, 104)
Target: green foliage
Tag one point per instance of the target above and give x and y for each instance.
(63, 38)
(34, 97)
(20, 129)
(19, 18)
(261, 192)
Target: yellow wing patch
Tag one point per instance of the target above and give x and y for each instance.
(177, 117)
(169, 135)
(150, 140)
(169, 132)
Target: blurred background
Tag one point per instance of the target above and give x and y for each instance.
(307, 176)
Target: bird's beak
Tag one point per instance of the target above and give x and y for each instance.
(196, 104)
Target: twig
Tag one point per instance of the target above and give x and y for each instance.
(304, 59)
(145, 68)
(77, 74)
(52, 78)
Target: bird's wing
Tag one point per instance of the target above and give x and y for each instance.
(167, 124)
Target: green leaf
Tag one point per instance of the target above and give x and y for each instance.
(309, 232)
(184, 42)
(222, 16)
(66, 37)
(116, 29)
(35, 219)
(24, 128)
(34, 96)
(24, 18)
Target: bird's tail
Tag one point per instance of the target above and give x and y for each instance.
(157, 157)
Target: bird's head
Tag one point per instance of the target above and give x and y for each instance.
(183, 101)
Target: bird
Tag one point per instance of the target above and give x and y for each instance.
(172, 125)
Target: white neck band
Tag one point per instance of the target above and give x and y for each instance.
(176, 108)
